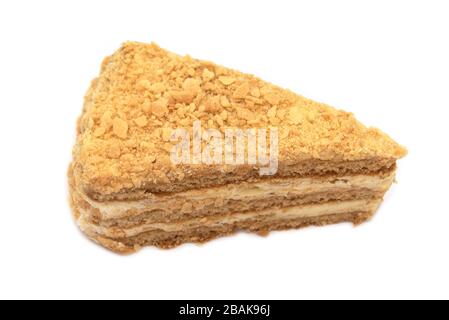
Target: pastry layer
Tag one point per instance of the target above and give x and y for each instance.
(202, 230)
(253, 205)
(272, 214)
(218, 176)
(233, 198)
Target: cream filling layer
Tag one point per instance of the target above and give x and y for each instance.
(274, 214)
(241, 192)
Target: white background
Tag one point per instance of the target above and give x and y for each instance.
(386, 61)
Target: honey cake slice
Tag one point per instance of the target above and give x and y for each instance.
(128, 191)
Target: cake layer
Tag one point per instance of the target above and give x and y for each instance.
(271, 214)
(201, 230)
(221, 176)
(234, 198)
(167, 240)
(230, 207)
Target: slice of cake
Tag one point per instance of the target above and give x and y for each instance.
(173, 150)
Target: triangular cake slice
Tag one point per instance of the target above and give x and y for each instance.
(171, 150)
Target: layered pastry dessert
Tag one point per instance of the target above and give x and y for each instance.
(172, 150)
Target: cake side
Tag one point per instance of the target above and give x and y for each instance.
(231, 198)
(126, 226)
(118, 242)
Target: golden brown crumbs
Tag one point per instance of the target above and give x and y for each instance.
(208, 75)
(120, 128)
(226, 80)
(224, 101)
(160, 107)
(242, 91)
(141, 121)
